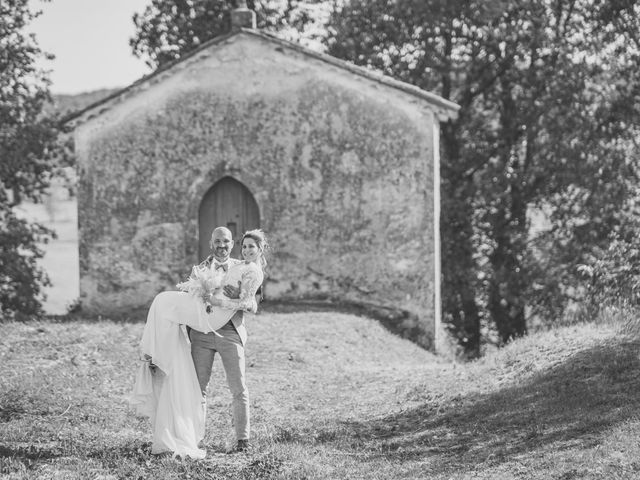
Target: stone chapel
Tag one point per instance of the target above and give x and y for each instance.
(339, 166)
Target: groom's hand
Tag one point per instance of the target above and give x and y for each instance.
(231, 291)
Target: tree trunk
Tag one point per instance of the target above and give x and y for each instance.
(507, 286)
(460, 310)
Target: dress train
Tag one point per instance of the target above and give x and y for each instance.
(171, 396)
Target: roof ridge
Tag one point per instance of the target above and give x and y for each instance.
(450, 107)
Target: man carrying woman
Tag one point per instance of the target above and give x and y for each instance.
(174, 396)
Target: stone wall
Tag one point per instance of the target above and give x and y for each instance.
(341, 168)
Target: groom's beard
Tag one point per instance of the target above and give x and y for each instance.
(221, 254)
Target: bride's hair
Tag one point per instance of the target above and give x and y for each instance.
(259, 237)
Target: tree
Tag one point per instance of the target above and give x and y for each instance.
(438, 46)
(27, 148)
(167, 29)
(586, 116)
(544, 107)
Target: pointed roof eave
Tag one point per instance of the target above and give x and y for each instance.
(101, 105)
(445, 109)
(449, 108)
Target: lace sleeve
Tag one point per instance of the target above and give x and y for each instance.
(251, 281)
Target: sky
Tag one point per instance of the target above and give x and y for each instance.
(90, 39)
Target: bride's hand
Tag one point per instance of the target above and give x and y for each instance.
(215, 301)
(231, 291)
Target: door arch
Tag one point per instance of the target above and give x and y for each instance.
(230, 204)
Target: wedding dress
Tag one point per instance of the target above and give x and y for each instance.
(171, 396)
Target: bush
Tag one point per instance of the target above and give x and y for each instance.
(21, 280)
(613, 275)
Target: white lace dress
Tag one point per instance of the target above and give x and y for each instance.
(171, 396)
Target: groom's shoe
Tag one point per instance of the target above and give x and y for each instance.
(241, 447)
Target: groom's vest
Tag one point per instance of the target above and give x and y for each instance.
(232, 277)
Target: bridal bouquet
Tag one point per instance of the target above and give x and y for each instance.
(202, 282)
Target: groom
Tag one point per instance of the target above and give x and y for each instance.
(228, 342)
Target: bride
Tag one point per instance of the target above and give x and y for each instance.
(167, 388)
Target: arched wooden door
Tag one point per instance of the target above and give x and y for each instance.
(230, 204)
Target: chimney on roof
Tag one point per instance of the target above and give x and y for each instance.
(242, 16)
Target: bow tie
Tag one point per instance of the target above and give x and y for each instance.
(222, 266)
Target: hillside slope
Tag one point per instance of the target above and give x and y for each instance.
(68, 103)
(333, 396)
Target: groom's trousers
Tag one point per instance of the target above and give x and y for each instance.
(203, 349)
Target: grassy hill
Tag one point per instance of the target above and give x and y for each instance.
(69, 103)
(333, 396)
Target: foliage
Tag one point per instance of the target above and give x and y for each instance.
(547, 93)
(612, 273)
(166, 30)
(28, 149)
(21, 278)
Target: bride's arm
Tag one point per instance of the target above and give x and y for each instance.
(251, 280)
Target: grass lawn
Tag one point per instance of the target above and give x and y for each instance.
(333, 396)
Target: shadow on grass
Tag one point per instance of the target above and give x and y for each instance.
(564, 407)
(31, 452)
(397, 321)
(128, 315)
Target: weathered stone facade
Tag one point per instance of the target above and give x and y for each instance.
(343, 166)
